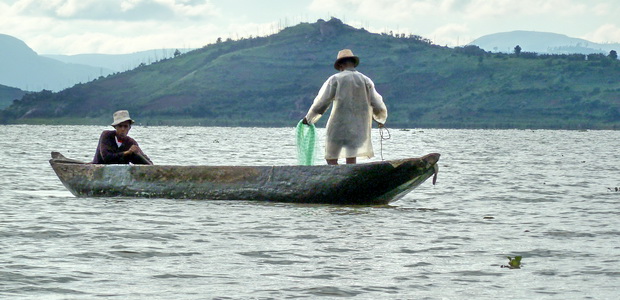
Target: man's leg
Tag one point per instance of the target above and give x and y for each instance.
(138, 159)
(332, 161)
(351, 160)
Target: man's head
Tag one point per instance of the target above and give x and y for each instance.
(346, 59)
(122, 123)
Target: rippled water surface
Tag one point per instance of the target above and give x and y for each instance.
(548, 196)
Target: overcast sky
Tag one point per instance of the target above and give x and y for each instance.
(124, 26)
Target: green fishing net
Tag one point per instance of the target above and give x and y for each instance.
(306, 144)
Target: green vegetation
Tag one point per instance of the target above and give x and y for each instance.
(271, 81)
(8, 95)
(513, 263)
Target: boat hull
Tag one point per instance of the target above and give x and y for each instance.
(361, 184)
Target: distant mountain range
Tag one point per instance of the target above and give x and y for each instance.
(540, 42)
(23, 68)
(272, 81)
(117, 62)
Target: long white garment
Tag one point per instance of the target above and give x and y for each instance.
(355, 104)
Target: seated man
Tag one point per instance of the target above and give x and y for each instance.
(115, 147)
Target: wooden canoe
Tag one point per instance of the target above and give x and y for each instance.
(375, 183)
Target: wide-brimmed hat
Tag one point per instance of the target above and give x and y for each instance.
(346, 53)
(120, 117)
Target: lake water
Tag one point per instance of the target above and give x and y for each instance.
(548, 196)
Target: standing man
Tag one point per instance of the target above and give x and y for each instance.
(355, 104)
(116, 147)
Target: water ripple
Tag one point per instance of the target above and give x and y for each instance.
(501, 193)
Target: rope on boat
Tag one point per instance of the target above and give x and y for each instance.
(383, 138)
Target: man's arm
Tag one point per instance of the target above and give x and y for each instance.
(148, 160)
(137, 152)
(379, 110)
(322, 101)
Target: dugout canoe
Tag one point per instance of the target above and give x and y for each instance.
(375, 183)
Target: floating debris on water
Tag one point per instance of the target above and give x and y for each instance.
(513, 263)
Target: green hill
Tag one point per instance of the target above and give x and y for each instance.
(8, 94)
(271, 81)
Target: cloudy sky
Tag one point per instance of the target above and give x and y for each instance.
(124, 26)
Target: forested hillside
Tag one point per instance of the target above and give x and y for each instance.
(271, 81)
(8, 94)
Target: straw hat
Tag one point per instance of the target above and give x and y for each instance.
(120, 117)
(346, 53)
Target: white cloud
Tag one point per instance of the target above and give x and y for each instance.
(326, 6)
(384, 10)
(127, 5)
(115, 26)
(187, 9)
(477, 9)
(409, 10)
(123, 37)
(602, 9)
(70, 8)
(451, 35)
(394, 10)
(608, 33)
(238, 30)
(130, 10)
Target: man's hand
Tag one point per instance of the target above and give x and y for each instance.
(305, 121)
(380, 125)
(133, 149)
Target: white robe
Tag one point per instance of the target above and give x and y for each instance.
(355, 104)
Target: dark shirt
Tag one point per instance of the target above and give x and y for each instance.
(108, 152)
